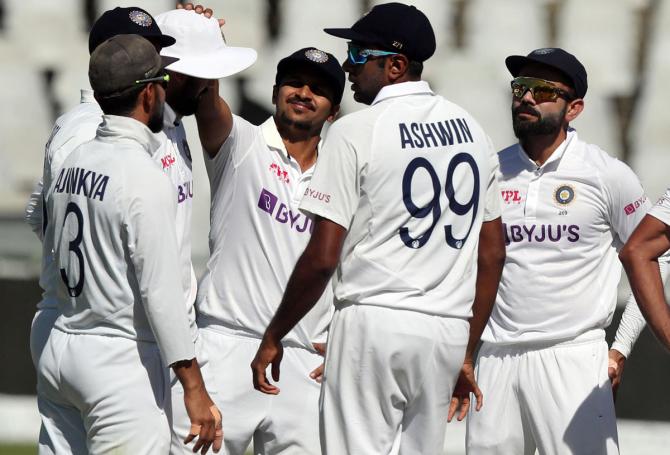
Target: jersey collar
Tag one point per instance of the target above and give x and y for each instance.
(115, 127)
(402, 89)
(170, 117)
(556, 156)
(87, 96)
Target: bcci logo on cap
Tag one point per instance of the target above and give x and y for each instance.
(140, 18)
(564, 194)
(316, 55)
(543, 51)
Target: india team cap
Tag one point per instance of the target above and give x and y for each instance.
(324, 63)
(117, 63)
(395, 27)
(201, 48)
(556, 58)
(126, 21)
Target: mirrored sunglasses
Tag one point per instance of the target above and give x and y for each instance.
(542, 90)
(358, 55)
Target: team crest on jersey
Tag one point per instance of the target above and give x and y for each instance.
(564, 194)
(140, 18)
(316, 55)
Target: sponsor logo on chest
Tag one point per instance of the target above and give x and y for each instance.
(280, 173)
(510, 196)
(282, 213)
(168, 161)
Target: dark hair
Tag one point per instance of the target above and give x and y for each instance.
(415, 68)
(122, 104)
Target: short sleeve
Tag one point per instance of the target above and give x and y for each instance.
(233, 149)
(661, 210)
(334, 190)
(627, 203)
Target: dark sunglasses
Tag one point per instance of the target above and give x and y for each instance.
(541, 89)
(162, 79)
(359, 55)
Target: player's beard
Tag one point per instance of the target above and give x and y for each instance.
(544, 125)
(155, 122)
(303, 126)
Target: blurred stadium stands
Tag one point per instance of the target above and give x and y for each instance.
(624, 44)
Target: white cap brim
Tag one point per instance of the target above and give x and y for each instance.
(222, 62)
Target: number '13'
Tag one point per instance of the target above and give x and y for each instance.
(433, 207)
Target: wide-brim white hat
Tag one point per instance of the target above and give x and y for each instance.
(200, 47)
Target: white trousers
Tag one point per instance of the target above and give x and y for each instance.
(556, 399)
(287, 423)
(102, 395)
(389, 371)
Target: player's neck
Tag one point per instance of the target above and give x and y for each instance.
(303, 150)
(539, 148)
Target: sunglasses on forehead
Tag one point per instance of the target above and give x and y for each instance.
(541, 89)
(359, 55)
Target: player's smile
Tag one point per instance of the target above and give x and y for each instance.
(300, 105)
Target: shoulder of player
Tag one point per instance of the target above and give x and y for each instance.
(74, 128)
(606, 166)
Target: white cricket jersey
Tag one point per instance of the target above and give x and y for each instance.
(564, 222)
(412, 178)
(661, 210)
(256, 236)
(72, 129)
(112, 216)
(78, 126)
(174, 157)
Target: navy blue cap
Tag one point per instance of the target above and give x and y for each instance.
(395, 27)
(556, 58)
(323, 62)
(126, 21)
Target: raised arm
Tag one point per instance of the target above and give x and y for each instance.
(214, 119)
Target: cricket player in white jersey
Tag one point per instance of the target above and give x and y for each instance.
(70, 131)
(405, 196)
(641, 256)
(567, 207)
(199, 40)
(102, 373)
(258, 176)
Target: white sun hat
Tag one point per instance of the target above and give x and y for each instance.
(200, 47)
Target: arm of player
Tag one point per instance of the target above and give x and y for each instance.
(307, 282)
(214, 119)
(34, 210)
(630, 327)
(640, 259)
(204, 415)
(153, 253)
(490, 262)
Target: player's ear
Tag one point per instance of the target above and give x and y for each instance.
(575, 107)
(148, 97)
(397, 67)
(334, 111)
(275, 90)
